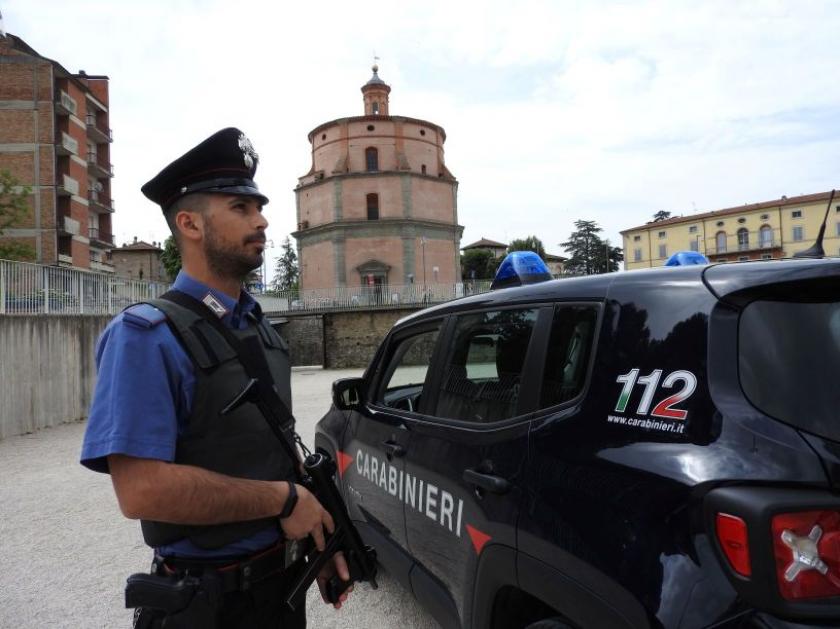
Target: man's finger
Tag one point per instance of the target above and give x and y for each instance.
(318, 535)
(341, 567)
(329, 524)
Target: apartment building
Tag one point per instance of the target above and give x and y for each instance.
(55, 138)
(758, 231)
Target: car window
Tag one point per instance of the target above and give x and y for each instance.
(567, 358)
(405, 373)
(789, 357)
(483, 366)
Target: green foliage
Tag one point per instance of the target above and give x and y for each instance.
(588, 254)
(14, 205)
(531, 243)
(661, 215)
(478, 264)
(171, 258)
(286, 272)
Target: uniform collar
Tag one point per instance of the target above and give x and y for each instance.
(231, 311)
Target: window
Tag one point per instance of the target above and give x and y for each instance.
(661, 234)
(694, 245)
(372, 159)
(692, 229)
(765, 237)
(743, 258)
(569, 350)
(743, 239)
(482, 372)
(796, 214)
(663, 251)
(719, 223)
(798, 233)
(375, 108)
(405, 374)
(423, 168)
(637, 238)
(742, 221)
(422, 132)
(765, 217)
(838, 229)
(637, 255)
(766, 256)
(373, 207)
(788, 358)
(720, 242)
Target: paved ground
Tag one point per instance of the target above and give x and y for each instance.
(67, 550)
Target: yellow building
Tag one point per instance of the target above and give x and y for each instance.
(759, 231)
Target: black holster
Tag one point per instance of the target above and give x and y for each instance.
(179, 602)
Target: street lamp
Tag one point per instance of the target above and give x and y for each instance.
(269, 244)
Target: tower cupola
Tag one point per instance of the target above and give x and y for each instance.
(375, 93)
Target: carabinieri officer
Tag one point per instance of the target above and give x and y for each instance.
(213, 487)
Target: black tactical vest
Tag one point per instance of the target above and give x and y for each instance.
(240, 443)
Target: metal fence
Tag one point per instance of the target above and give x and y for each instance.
(31, 289)
(349, 298)
(27, 289)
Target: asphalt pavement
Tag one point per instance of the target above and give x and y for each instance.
(67, 550)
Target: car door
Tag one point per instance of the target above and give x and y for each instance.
(467, 453)
(376, 438)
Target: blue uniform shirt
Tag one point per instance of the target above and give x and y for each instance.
(144, 394)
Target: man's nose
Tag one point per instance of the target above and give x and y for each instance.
(261, 222)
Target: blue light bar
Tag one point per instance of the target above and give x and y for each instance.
(686, 258)
(519, 268)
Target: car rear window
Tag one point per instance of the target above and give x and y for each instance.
(789, 362)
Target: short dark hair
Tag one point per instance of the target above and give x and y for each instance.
(196, 202)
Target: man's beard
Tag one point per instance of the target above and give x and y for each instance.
(228, 260)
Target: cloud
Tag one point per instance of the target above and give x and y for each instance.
(554, 111)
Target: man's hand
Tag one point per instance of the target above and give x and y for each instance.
(338, 566)
(308, 518)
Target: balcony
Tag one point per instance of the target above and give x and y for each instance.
(102, 267)
(95, 132)
(68, 226)
(65, 260)
(743, 242)
(100, 238)
(65, 105)
(67, 186)
(97, 169)
(98, 202)
(67, 145)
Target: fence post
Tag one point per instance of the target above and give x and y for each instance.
(46, 283)
(81, 293)
(2, 287)
(110, 287)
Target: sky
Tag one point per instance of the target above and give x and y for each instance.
(555, 111)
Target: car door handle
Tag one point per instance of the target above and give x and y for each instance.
(393, 449)
(488, 482)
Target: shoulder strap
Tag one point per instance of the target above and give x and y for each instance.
(261, 389)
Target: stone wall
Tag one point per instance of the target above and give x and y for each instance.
(351, 338)
(47, 370)
(305, 336)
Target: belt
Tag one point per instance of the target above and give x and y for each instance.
(234, 574)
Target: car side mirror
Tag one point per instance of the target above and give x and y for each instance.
(347, 393)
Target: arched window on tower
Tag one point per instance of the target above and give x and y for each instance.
(375, 108)
(372, 159)
(373, 207)
(423, 168)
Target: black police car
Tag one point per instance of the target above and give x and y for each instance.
(654, 448)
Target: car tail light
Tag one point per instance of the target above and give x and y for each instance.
(806, 546)
(732, 536)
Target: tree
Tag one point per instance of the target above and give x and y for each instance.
(478, 264)
(531, 243)
(588, 254)
(14, 206)
(171, 258)
(661, 215)
(286, 272)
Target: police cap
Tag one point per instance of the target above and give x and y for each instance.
(225, 162)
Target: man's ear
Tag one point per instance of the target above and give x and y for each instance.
(190, 224)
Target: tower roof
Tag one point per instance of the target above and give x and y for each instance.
(375, 80)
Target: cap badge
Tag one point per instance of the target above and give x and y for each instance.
(248, 153)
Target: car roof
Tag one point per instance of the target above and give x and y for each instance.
(722, 279)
